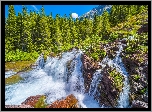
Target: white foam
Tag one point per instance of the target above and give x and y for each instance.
(9, 73)
(49, 80)
(95, 81)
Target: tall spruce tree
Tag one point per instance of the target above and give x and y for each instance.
(105, 25)
(11, 39)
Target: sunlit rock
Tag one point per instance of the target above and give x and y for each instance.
(69, 102)
(32, 100)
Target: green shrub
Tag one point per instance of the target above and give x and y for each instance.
(113, 36)
(117, 79)
(20, 56)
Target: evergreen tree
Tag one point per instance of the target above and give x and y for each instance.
(19, 29)
(105, 24)
(11, 38)
(26, 35)
(44, 30)
(113, 16)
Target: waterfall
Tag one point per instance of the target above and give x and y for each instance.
(95, 81)
(116, 63)
(40, 61)
(76, 81)
(50, 79)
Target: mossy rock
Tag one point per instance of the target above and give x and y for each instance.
(142, 91)
(37, 101)
(18, 65)
(41, 102)
(13, 79)
(69, 102)
(117, 79)
(136, 77)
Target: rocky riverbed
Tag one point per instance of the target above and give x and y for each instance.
(104, 80)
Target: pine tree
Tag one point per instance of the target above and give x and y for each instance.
(50, 41)
(19, 29)
(11, 38)
(113, 15)
(105, 24)
(26, 35)
(44, 30)
(32, 26)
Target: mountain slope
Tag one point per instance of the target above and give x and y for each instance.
(97, 10)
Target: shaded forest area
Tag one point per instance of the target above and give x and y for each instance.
(29, 34)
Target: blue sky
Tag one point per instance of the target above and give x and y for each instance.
(55, 9)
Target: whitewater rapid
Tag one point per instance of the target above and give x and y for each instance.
(50, 79)
(59, 77)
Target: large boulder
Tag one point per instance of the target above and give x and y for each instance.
(32, 100)
(89, 68)
(69, 102)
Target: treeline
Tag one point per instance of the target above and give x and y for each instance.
(36, 32)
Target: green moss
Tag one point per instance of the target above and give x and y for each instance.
(95, 56)
(13, 79)
(142, 91)
(117, 79)
(41, 102)
(136, 77)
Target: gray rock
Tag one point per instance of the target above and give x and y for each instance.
(139, 104)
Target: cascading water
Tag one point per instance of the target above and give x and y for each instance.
(40, 61)
(50, 79)
(53, 80)
(9, 73)
(95, 81)
(123, 101)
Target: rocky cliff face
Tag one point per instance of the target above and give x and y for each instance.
(138, 77)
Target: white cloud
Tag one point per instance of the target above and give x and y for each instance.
(74, 15)
(35, 7)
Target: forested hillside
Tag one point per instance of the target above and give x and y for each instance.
(29, 34)
(81, 63)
